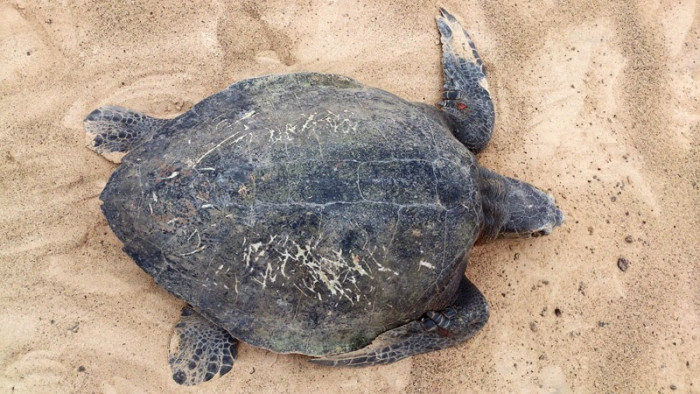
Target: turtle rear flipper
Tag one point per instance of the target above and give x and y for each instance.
(466, 97)
(113, 131)
(200, 350)
(434, 331)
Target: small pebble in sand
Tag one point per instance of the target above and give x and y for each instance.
(74, 328)
(629, 239)
(533, 326)
(81, 369)
(623, 264)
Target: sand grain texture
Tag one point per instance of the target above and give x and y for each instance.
(597, 101)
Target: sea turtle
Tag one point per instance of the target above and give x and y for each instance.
(308, 213)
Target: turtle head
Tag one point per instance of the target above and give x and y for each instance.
(515, 209)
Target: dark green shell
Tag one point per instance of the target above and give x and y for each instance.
(303, 213)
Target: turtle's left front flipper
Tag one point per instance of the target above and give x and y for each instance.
(200, 350)
(466, 97)
(434, 331)
(113, 131)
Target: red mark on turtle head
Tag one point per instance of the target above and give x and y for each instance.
(461, 106)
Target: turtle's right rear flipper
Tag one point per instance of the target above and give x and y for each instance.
(113, 131)
(434, 331)
(391, 346)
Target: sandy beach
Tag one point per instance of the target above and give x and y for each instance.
(597, 102)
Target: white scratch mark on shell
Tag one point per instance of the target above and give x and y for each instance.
(245, 116)
(334, 271)
(194, 251)
(426, 264)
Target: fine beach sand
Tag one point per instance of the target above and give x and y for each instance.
(596, 101)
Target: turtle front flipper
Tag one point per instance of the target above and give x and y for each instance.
(466, 98)
(434, 331)
(113, 131)
(200, 350)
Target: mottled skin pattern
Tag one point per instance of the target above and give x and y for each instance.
(112, 130)
(199, 350)
(308, 213)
